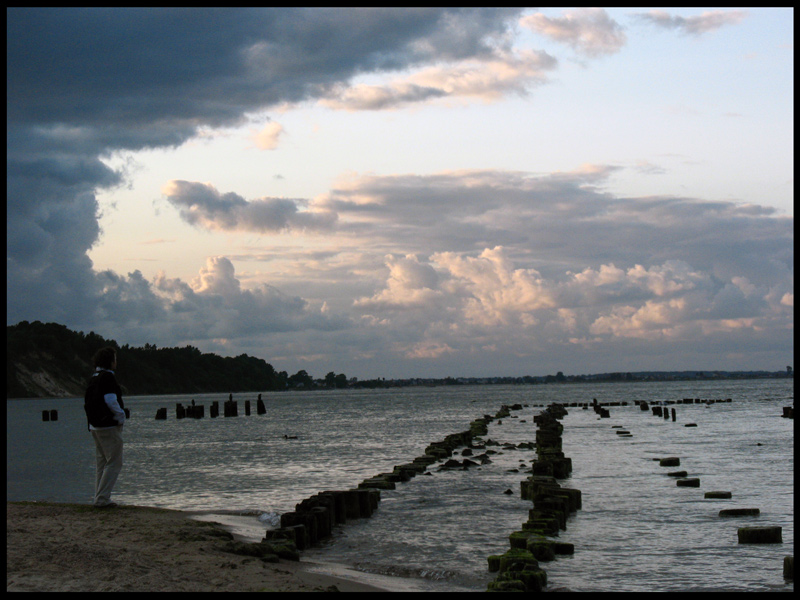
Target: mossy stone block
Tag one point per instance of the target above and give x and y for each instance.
(760, 535)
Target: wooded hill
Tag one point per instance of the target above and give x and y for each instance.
(50, 360)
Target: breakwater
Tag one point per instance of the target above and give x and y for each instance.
(314, 518)
(439, 528)
(519, 568)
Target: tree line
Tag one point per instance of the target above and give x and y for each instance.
(66, 356)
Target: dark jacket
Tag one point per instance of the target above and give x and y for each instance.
(97, 412)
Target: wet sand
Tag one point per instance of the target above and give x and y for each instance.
(53, 547)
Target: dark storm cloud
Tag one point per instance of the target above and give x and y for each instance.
(125, 67)
(202, 205)
(84, 83)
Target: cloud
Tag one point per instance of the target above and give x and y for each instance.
(213, 307)
(202, 205)
(589, 31)
(704, 23)
(410, 284)
(563, 214)
(488, 79)
(578, 269)
(490, 298)
(267, 138)
(82, 84)
(458, 266)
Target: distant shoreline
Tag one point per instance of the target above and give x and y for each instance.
(637, 377)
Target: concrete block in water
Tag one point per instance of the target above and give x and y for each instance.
(547, 525)
(670, 461)
(352, 504)
(231, 408)
(512, 585)
(528, 579)
(336, 503)
(324, 520)
(359, 503)
(677, 474)
(519, 539)
(514, 559)
(556, 507)
(564, 548)
(542, 549)
(379, 483)
(438, 452)
(739, 512)
(760, 535)
(294, 533)
(788, 567)
(307, 520)
(519, 571)
(723, 495)
(161, 414)
(574, 495)
(690, 482)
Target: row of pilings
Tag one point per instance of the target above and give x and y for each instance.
(197, 411)
(314, 518)
(746, 534)
(518, 568)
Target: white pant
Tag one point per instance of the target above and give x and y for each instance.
(108, 451)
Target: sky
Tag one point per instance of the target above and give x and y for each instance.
(464, 192)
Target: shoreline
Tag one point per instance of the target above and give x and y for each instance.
(58, 547)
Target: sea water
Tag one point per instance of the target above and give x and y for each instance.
(637, 531)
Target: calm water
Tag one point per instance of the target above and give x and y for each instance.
(637, 530)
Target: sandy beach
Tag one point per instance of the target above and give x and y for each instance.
(54, 547)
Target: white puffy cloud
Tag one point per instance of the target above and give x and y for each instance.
(410, 284)
(213, 307)
(489, 302)
(495, 292)
(488, 79)
(268, 137)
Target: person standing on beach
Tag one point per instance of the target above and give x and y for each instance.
(105, 413)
